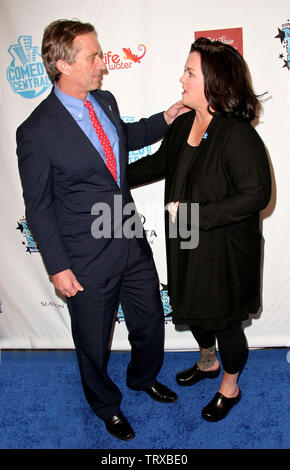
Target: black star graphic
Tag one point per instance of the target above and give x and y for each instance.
(281, 35)
(281, 56)
(286, 64)
(164, 287)
(20, 227)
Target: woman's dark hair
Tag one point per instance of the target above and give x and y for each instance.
(226, 82)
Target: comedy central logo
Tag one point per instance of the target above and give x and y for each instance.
(31, 246)
(26, 73)
(124, 60)
(284, 36)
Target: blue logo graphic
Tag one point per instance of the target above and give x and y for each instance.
(26, 73)
(165, 303)
(135, 155)
(31, 246)
(1, 311)
(120, 315)
(284, 36)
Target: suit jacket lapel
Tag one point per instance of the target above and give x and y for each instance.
(69, 130)
(108, 110)
(115, 119)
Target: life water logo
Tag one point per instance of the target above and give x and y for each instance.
(26, 73)
(31, 246)
(165, 304)
(135, 155)
(284, 36)
(115, 61)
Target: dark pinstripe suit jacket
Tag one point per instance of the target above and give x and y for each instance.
(63, 176)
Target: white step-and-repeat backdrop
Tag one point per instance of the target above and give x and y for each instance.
(145, 44)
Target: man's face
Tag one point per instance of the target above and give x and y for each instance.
(86, 72)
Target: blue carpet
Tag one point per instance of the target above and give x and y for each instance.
(42, 405)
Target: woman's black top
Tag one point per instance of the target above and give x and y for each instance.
(184, 167)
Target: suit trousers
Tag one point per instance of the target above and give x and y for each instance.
(92, 313)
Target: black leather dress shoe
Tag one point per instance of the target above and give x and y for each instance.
(161, 393)
(119, 427)
(219, 407)
(193, 375)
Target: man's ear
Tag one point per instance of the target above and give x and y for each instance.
(63, 66)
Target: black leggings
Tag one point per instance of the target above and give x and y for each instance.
(232, 345)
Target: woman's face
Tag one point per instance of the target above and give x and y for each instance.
(193, 84)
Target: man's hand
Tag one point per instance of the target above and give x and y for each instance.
(172, 209)
(66, 283)
(175, 110)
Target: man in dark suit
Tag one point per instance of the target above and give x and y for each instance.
(73, 152)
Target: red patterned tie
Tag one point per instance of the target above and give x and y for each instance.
(105, 143)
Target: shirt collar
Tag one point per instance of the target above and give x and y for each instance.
(74, 105)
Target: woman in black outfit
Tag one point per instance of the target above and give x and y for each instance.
(214, 157)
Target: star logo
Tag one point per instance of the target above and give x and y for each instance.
(284, 36)
(29, 243)
(20, 227)
(280, 35)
